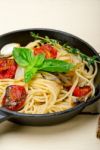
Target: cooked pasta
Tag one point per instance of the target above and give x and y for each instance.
(49, 92)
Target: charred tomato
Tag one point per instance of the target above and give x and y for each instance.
(7, 68)
(14, 98)
(47, 49)
(81, 91)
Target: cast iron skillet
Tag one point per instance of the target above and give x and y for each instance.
(23, 37)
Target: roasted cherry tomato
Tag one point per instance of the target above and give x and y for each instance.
(7, 68)
(14, 98)
(81, 91)
(47, 49)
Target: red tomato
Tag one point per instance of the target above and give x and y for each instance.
(81, 91)
(7, 68)
(47, 49)
(14, 98)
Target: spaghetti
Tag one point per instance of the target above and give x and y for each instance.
(53, 92)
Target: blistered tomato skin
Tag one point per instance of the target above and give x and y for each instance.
(14, 98)
(47, 49)
(81, 91)
(7, 68)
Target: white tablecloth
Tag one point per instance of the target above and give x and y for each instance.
(79, 17)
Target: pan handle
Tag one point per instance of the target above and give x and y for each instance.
(4, 117)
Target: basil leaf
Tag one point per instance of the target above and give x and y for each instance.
(33, 64)
(23, 56)
(29, 73)
(38, 60)
(53, 65)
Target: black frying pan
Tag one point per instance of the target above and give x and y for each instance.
(23, 37)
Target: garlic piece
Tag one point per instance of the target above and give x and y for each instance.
(19, 73)
(7, 49)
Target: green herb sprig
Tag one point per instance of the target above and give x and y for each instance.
(34, 64)
(45, 39)
(90, 60)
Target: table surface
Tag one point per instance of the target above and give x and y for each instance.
(79, 17)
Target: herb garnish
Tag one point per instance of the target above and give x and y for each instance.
(45, 39)
(33, 64)
(76, 51)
